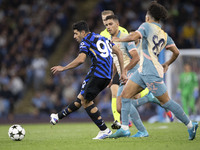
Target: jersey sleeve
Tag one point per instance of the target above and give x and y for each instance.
(142, 30)
(170, 42)
(83, 48)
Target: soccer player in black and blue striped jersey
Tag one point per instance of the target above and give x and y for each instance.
(100, 50)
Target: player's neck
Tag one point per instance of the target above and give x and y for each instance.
(87, 34)
(153, 21)
(116, 33)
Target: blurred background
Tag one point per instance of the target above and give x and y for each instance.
(37, 34)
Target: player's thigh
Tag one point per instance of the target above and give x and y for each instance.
(119, 104)
(114, 89)
(131, 89)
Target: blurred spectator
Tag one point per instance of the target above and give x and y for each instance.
(188, 34)
(41, 102)
(27, 30)
(16, 87)
(38, 65)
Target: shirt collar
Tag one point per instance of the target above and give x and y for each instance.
(157, 24)
(118, 35)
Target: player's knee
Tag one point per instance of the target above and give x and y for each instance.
(77, 104)
(94, 110)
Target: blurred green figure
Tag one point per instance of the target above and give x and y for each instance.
(188, 89)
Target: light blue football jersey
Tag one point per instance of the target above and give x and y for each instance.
(125, 47)
(153, 40)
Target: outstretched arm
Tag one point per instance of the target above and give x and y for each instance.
(175, 54)
(133, 36)
(75, 63)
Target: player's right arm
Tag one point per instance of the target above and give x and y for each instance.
(134, 36)
(75, 63)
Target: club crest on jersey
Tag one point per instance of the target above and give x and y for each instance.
(82, 44)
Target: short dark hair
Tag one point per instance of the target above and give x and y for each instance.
(114, 17)
(107, 12)
(81, 26)
(157, 11)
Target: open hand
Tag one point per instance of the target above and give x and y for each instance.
(57, 69)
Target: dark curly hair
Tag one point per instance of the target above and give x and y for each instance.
(157, 11)
(81, 26)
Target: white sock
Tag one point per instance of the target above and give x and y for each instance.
(189, 125)
(125, 127)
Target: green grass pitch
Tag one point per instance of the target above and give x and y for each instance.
(78, 136)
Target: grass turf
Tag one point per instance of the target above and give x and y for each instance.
(75, 136)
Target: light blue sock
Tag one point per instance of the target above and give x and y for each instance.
(177, 110)
(140, 101)
(125, 111)
(135, 117)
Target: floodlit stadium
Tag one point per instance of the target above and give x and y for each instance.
(49, 71)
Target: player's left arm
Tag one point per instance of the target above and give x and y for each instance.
(75, 63)
(175, 53)
(135, 58)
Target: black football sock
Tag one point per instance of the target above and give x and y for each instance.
(75, 105)
(95, 115)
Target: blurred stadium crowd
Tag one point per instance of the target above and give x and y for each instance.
(29, 31)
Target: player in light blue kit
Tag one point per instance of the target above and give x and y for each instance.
(131, 59)
(150, 73)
